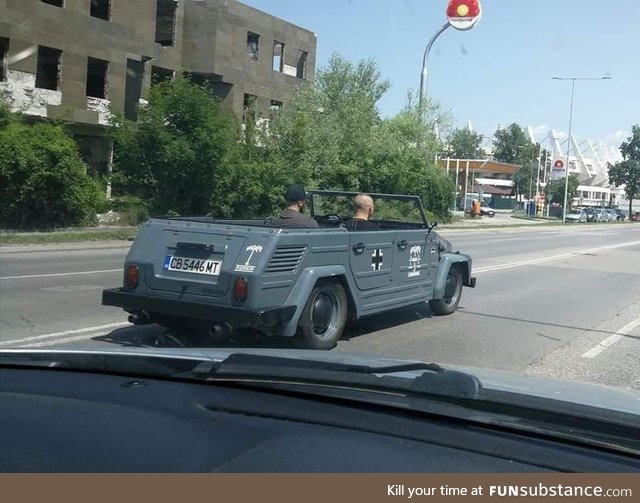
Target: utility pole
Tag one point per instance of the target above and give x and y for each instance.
(566, 178)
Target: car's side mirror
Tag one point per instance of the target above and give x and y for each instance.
(431, 227)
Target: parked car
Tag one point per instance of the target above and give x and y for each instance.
(601, 215)
(215, 275)
(612, 216)
(579, 216)
(592, 214)
(486, 210)
(635, 217)
(620, 216)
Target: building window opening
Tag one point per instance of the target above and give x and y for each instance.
(101, 9)
(166, 22)
(97, 78)
(55, 3)
(48, 73)
(249, 108)
(161, 75)
(253, 46)
(301, 67)
(133, 88)
(276, 105)
(278, 56)
(4, 51)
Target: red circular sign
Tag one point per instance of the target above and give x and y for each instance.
(464, 14)
(559, 164)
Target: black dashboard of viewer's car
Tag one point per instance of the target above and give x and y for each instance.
(55, 418)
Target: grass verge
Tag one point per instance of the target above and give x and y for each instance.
(54, 237)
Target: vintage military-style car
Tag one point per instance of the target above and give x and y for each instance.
(216, 275)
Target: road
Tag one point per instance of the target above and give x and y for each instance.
(562, 302)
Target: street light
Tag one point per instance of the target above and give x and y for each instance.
(462, 15)
(566, 178)
(424, 75)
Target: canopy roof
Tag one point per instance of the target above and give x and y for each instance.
(483, 165)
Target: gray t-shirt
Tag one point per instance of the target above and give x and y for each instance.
(291, 219)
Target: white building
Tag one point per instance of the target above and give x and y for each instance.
(589, 161)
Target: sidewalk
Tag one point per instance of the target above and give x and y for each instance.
(501, 219)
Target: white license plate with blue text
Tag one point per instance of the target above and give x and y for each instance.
(193, 265)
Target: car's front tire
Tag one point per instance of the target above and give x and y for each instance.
(452, 293)
(324, 316)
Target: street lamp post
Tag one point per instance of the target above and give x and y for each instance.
(425, 73)
(566, 178)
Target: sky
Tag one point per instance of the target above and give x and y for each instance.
(499, 72)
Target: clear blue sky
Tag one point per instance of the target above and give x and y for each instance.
(500, 72)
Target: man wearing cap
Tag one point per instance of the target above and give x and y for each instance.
(291, 217)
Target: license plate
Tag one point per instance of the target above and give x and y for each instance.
(193, 265)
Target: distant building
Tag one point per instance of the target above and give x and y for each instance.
(77, 60)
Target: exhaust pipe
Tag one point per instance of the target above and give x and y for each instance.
(220, 330)
(139, 318)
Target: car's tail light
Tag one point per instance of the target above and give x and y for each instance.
(240, 289)
(132, 276)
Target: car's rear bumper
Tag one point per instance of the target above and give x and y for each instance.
(265, 318)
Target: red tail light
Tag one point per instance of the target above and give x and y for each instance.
(132, 276)
(240, 289)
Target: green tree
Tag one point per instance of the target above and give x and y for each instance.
(331, 136)
(627, 172)
(630, 149)
(43, 181)
(512, 145)
(465, 144)
(171, 157)
(555, 190)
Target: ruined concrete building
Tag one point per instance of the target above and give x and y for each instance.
(77, 60)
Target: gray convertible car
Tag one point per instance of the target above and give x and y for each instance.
(215, 275)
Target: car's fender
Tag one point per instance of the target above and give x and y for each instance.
(446, 261)
(302, 288)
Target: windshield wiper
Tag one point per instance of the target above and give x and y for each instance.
(434, 380)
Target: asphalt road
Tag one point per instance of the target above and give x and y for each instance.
(553, 301)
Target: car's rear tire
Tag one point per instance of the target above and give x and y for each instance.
(452, 293)
(324, 316)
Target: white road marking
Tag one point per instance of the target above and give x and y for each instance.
(500, 240)
(611, 340)
(77, 338)
(542, 260)
(65, 333)
(52, 275)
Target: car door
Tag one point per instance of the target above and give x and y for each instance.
(371, 258)
(415, 255)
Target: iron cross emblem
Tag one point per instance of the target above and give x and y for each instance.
(376, 260)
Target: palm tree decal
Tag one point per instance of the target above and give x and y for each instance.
(414, 256)
(253, 249)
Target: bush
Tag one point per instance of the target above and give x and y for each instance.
(171, 156)
(250, 190)
(133, 210)
(43, 181)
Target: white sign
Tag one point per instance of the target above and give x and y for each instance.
(464, 14)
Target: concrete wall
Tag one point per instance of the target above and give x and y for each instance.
(210, 39)
(222, 52)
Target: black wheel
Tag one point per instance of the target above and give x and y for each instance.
(324, 316)
(452, 293)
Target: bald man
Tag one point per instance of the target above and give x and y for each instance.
(364, 208)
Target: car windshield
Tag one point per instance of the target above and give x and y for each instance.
(383, 179)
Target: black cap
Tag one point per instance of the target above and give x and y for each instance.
(295, 193)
